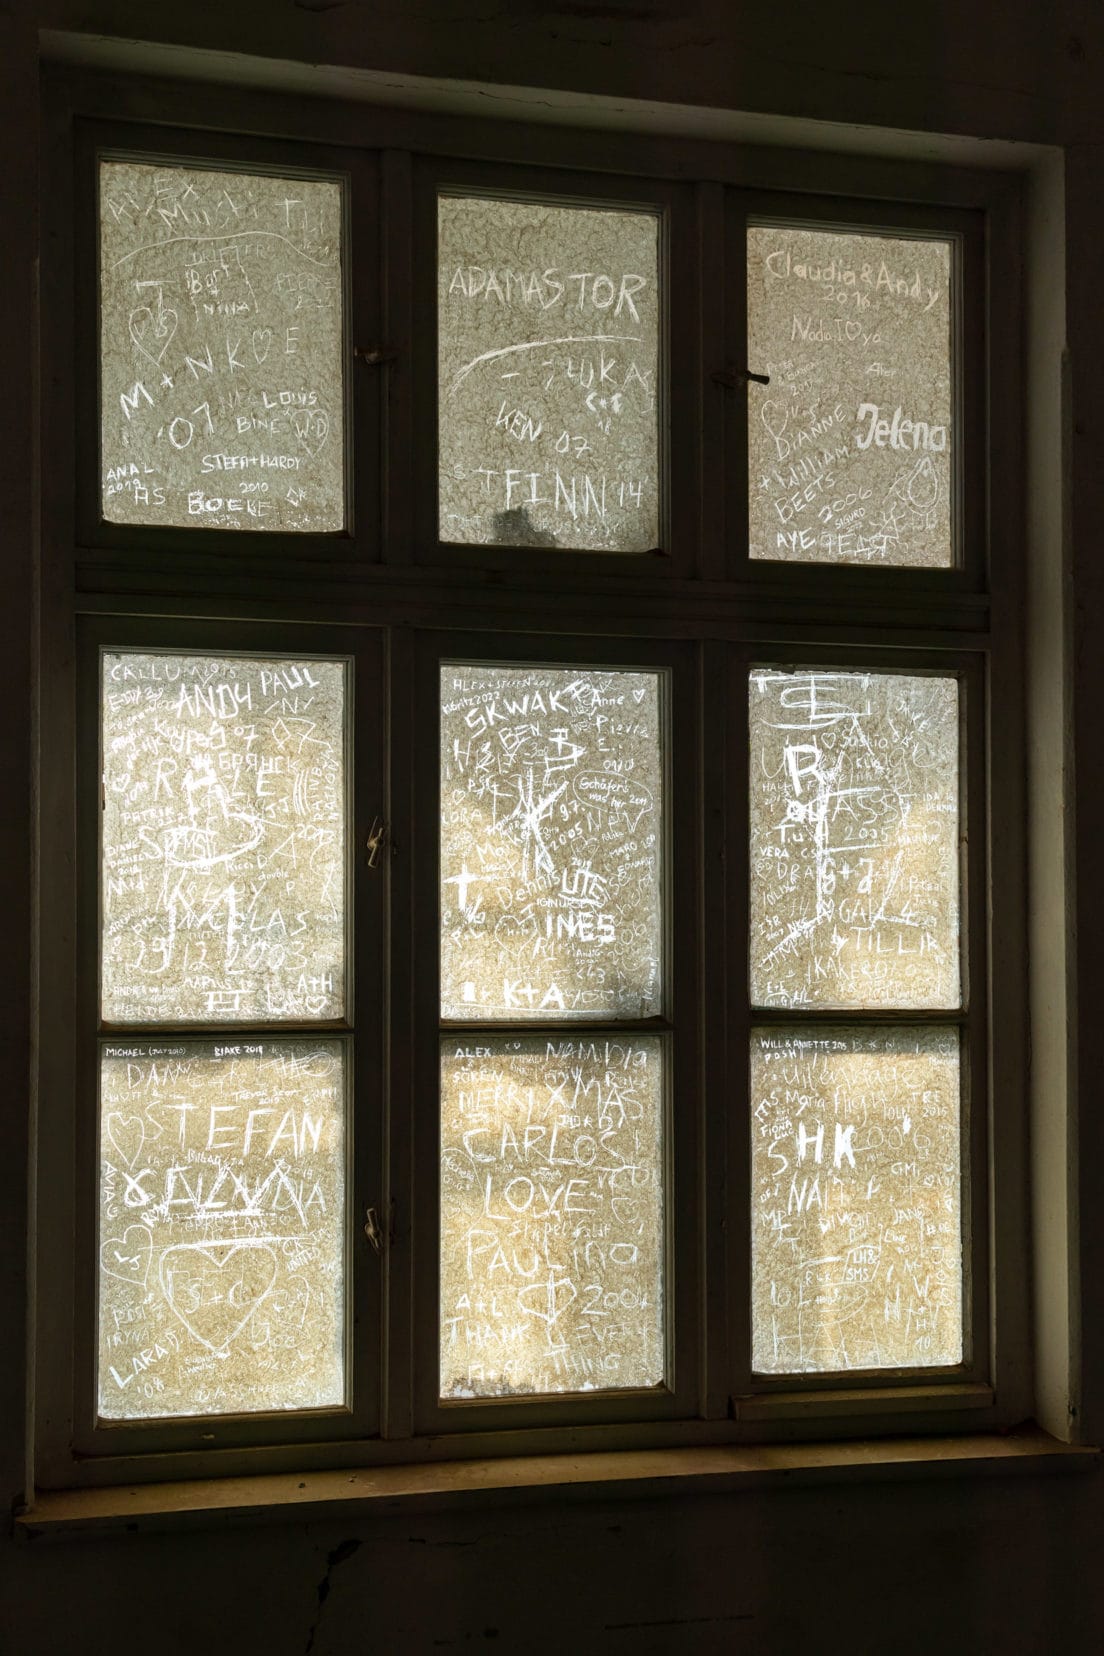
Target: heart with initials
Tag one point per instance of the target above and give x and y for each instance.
(128, 1256)
(127, 1135)
(311, 427)
(149, 331)
(215, 1287)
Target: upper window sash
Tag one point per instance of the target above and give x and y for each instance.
(222, 287)
(565, 395)
(849, 489)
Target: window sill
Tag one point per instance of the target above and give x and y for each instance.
(627, 1474)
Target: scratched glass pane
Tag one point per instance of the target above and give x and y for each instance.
(552, 1276)
(548, 362)
(856, 1207)
(222, 1224)
(551, 838)
(850, 446)
(221, 356)
(854, 840)
(223, 885)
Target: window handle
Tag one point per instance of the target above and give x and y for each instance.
(376, 357)
(374, 1230)
(379, 835)
(733, 378)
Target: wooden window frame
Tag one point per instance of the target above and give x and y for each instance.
(758, 1394)
(703, 610)
(677, 1397)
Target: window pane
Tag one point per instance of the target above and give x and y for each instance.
(551, 1215)
(856, 1212)
(222, 1226)
(551, 840)
(548, 351)
(850, 445)
(223, 838)
(854, 840)
(221, 355)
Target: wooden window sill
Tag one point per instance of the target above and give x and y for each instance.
(366, 1493)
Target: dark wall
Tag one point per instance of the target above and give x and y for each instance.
(909, 1569)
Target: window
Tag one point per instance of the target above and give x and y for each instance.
(535, 927)
(223, 1160)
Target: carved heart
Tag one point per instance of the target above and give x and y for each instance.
(553, 1299)
(128, 1256)
(776, 418)
(215, 1287)
(146, 330)
(637, 805)
(311, 427)
(261, 337)
(923, 485)
(853, 329)
(127, 1134)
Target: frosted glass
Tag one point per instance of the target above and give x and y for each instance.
(856, 1211)
(221, 356)
(551, 841)
(222, 1223)
(223, 888)
(851, 445)
(548, 362)
(854, 840)
(551, 1215)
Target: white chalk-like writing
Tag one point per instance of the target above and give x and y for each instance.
(850, 445)
(854, 840)
(221, 349)
(222, 1223)
(548, 353)
(856, 1212)
(551, 1215)
(551, 839)
(223, 877)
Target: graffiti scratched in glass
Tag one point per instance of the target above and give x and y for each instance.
(223, 838)
(851, 445)
(551, 1214)
(222, 1221)
(221, 349)
(856, 1212)
(548, 365)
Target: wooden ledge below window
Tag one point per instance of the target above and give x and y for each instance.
(367, 1493)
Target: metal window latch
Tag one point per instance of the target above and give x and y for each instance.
(374, 1230)
(375, 357)
(379, 835)
(733, 378)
